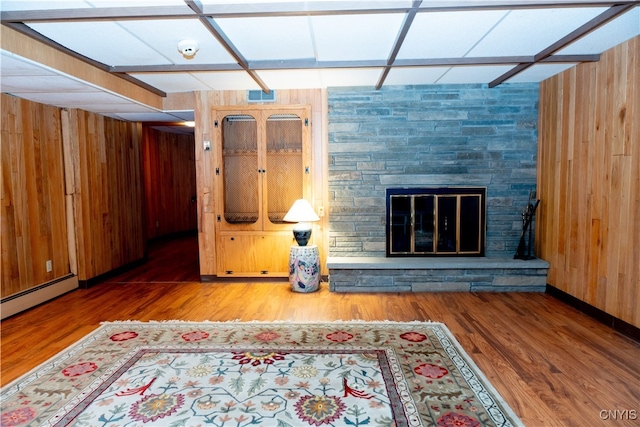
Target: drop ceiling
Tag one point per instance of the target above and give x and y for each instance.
(287, 44)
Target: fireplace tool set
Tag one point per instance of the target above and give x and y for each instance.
(524, 248)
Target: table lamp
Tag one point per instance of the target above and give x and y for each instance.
(302, 213)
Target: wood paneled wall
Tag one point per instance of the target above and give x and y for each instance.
(205, 175)
(108, 194)
(33, 196)
(169, 182)
(588, 222)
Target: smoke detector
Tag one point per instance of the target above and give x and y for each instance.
(188, 48)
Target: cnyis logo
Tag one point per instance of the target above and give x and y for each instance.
(619, 414)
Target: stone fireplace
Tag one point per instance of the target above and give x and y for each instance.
(435, 221)
(431, 137)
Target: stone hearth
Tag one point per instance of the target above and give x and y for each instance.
(445, 274)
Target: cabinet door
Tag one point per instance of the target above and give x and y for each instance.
(285, 168)
(241, 187)
(253, 255)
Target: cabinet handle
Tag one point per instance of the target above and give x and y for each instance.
(264, 272)
(233, 238)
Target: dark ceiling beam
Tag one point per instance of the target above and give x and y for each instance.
(296, 64)
(491, 60)
(408, 20)
(608, 15)
(316, 8)
(217, 32)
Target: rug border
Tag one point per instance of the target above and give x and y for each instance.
(70, 348)
(480, 374)
(106, 324)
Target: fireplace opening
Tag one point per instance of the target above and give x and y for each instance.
(436, 221)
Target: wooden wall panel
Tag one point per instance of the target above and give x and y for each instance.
(33, 196)
(588, 222)
(205, 101)
(108, 196)
(169, 182)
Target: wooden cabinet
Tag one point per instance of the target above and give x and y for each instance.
(262, 163)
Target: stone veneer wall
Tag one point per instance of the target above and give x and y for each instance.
(429, 136)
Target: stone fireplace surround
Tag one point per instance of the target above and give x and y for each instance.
(430, 136)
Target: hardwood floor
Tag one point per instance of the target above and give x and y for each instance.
(552, 364)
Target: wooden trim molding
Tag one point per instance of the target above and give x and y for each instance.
(603, 317)
(93, 281)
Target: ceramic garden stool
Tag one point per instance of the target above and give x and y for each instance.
(304, 268)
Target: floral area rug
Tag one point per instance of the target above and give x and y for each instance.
(258, 374)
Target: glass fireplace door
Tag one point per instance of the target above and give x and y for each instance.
(437, 223)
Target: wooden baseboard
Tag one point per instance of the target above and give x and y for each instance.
(241, 279)
(213, 278)
(86, 284)
(619, 325)
(30, 298)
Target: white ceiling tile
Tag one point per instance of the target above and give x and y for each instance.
(163, 35)
(415, 75)
(136, 3)
(350, 76)
(14, 65)
(150, 117)
(528, 32)
(172, 82)
(105, 42)
(231, 6)
(32, 83)
(447, 34)
(182, 115)
(291, 79)
(320, 78)
(539, 72)
(122, 107)
(268, 38)
(98, 102)
(13, 5)
(619, 30)
(473, 74)
(77, 98)
(226, 80)
(355, 37)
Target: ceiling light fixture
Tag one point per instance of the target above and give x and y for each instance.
(188, 48)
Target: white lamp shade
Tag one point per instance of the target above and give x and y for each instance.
(301, 211)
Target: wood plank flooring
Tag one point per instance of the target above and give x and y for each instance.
(552, 364)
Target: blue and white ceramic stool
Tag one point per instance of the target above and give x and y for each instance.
(304, 268)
